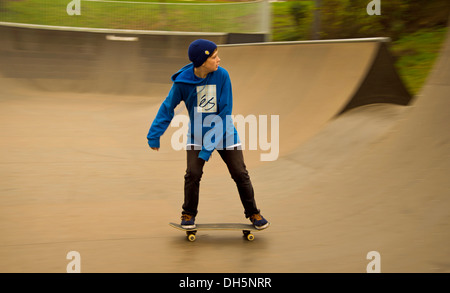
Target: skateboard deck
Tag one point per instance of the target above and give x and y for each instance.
(246, 229)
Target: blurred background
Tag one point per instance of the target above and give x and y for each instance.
(416, 27)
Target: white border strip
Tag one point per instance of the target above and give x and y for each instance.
(106, 30)
(122, 39)
(358, 40)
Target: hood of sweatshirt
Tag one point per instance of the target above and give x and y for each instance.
(186, 75)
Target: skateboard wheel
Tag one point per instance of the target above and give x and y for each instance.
(250, 237)
(191, 237)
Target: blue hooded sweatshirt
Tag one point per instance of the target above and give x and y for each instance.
(209, 102)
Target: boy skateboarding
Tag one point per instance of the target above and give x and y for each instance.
(205, 88)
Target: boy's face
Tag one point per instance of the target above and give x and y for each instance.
(213, 61)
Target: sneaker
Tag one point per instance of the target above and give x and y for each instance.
(187, 221)
(259, 222)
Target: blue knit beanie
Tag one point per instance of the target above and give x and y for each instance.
(200, 50)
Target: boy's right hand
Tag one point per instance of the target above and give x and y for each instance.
(155, 149)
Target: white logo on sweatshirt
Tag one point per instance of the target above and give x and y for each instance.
(206, 98)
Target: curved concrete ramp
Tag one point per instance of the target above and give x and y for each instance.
(309, 83)
(305, 83)
(77, 174)
(77, 60)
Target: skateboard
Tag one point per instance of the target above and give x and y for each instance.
(246, 229)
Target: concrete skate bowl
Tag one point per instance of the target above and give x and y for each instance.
(357, 170)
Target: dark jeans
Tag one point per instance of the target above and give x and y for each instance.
(235, 163)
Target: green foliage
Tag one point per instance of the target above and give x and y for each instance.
(298, 11)
(2, 5)
(415, 55)
(349, 18)
(417, 28)
(290, 23)
(240, 17)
